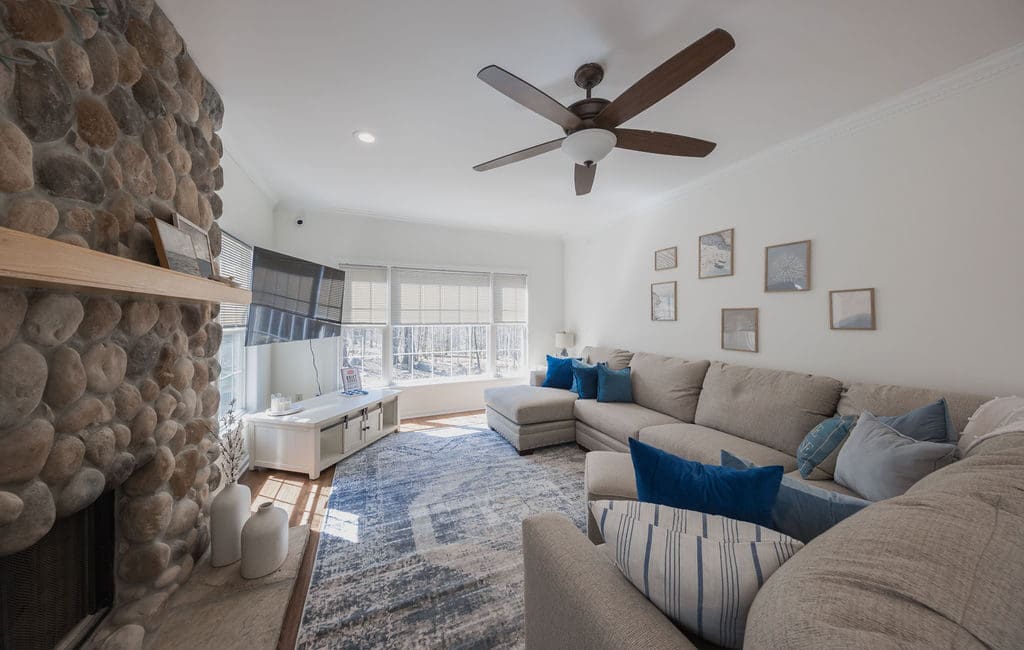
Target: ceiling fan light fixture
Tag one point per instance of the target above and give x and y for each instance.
(588, 146)
(366, 137)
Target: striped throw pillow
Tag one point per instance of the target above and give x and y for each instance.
(703, 583)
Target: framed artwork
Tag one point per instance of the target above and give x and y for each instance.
(787, 267)
(204, 254)
(351, 380)
(663, 301)
(175, 248)
(715, 254)
(851, 309)
(739, 329)
(666, 258)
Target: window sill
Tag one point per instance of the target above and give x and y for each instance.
(456, 380)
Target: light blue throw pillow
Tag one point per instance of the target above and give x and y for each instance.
(614, 385)
(931, 423)
(878, 462)
(803, 511)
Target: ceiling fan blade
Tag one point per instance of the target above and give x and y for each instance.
(532, 98)
(668, 144)
(666, 78)
(523, 154)
(585, 178)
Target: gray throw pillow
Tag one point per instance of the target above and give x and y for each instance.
(878, 462)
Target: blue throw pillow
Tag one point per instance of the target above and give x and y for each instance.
(614, 385)
(931, 423)
(584, 379)
(559, 373)
(816, 455)
(803, 511)
(748, 495)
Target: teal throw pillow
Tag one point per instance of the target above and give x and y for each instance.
(584, 379)
(614, 385)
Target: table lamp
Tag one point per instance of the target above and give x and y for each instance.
(564, 340)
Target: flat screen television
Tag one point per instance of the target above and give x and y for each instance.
(293, 299)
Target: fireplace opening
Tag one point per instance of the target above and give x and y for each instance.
(54, 593)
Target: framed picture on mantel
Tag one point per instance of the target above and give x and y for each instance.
(174, 248)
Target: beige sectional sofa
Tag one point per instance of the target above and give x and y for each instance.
(921, 570)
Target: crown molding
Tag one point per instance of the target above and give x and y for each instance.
(926, 94)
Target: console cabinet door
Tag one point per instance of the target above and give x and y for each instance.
(374, 427)
(353, 435)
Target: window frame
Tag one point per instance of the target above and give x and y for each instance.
(491, 328)
(238, 374)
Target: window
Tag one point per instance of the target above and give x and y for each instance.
(509, 324)
(232, 375)
(235, 261)
(421, 325)
(364, 318)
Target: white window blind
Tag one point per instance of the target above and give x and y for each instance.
(425, 297)
(509, 298)
(235, 262)
(366, 290)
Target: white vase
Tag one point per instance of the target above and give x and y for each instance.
(264, 541)
(227, 516)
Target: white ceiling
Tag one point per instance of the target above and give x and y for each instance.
(298, 77)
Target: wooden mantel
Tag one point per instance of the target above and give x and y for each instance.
(30, 260)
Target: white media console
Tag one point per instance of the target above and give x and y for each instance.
(327, 429)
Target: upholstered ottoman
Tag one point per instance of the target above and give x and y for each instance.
(606, 475)
(531, 416)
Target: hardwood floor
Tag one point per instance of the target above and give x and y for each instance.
(306, 502)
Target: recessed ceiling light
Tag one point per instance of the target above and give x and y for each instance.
(365, 136)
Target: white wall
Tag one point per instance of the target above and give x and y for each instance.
(333, 238)
(921, 197)
(249, 215)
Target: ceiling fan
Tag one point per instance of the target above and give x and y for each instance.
(591, 124)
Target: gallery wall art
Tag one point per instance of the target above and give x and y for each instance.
(852, 309)
(739, 329)
(787, 267)
(666, 258)
(663, 301)
(715, 254)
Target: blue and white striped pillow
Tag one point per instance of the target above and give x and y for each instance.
(702, 571)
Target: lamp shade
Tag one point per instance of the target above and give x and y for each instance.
(589, 145)
(564, 339)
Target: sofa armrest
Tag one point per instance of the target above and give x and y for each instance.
(576, 598)
(537, 377)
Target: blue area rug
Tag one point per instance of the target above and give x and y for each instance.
(421, 542)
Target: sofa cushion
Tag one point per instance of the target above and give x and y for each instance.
(608, 475)
(951, 573)
(775, 408)
(825, 484)
(705, 445)
(882, 399)
(616, 358)
(531, 404)
(618, 420)
(667, 385)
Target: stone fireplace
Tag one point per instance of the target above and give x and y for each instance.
(106, 122)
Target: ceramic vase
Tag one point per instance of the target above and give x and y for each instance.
(227, 516)
(264, 541)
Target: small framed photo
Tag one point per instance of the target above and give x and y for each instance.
(851, 309)
(175, 249)
(204, 254)
(663, 301)
(666, 258)
(715, 254)
(351, 379)
(739, 329)
(787, 267)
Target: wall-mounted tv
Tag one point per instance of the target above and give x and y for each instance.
(293, 299)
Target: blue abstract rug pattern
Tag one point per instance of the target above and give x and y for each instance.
(421, 542)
